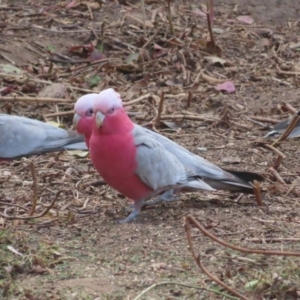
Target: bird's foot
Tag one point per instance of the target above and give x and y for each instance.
(136, 211)
(129, 208)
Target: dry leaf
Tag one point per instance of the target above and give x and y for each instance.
(10, 69)
(231, 160)
(227, 86)
(95, 6)
(132, 57)
(78, 153)
(245, 19)
(56, 90)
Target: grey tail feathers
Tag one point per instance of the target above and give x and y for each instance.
(242, 182)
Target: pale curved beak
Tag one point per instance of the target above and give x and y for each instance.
(76, 119)
(99, 118)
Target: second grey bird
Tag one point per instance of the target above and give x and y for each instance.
(21, 137)
(280, 128)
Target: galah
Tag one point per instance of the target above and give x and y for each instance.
(21, 137)
(280, 128)
(219, 179)
(83, 116)
(130, 160)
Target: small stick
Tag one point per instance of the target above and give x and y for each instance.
(289, 129)
(90, 11)
(152, 37)
(210, 79)
(259, 240)
(263, 119)
(189, 99)
(257, 193)
(144, 17)
(170, 17)
(34, 217)
(190, 219)
(181, 284)
(209, 24)
(289, 108)
(277, 162)
(187, 227)
(128, 103)
(277, 176)
(59, 114)
(275, 150)
(33, 99)
(35, 189)
(257, 122)
(160, 108)
(139, 21)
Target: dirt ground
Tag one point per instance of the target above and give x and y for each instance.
(77, 251)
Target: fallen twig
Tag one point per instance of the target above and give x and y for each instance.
(4, 215)
(34, 99)
(189, 99)
(59, 114)
(256, 189)
(35, 189)
(160, 108)
(188, 221)
(191, 219)
(136, 100)
(280, 155)
(276, 175)
(170, 17)
(152, 37)
(139, 296)
(265, 120)
(144, 17)
(289, 129)
(289, 108)
(275, 240)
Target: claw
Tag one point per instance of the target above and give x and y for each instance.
(136, 211)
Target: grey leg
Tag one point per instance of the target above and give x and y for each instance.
(136, 210)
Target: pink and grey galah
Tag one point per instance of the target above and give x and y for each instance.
(132, 162)
(142, 164)
(83, 117)
(22, 137)
(219, 179)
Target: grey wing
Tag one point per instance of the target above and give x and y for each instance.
(157, 168)
(77, 146)
(210, 173)
(20, 136)
(199, 165)
(280, 128)
(295, 132)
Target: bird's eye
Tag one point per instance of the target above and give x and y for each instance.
(89, 112)
(111, 110)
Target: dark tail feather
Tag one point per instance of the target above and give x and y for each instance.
(241, 183)
(246, 176)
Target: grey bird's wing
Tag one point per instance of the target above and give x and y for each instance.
(20, 136)
(159, 169)
(77, 146)
(280, 128)
(213, 175)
